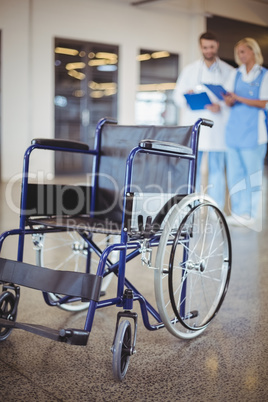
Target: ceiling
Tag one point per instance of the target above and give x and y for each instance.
(202, 7)
(172, 3)
(176, 5)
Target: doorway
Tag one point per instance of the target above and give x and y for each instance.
(86, 84)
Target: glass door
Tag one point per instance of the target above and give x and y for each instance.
(158, 76)
(86, 80)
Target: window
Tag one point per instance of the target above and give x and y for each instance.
(158, 76)
(86, 81)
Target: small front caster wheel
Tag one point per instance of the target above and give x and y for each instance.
(7, 304)
(122, 350)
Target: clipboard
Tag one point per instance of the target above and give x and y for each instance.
(218, 90)
(198, 101)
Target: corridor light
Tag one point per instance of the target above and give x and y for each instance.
(143, 57)
(107, 68)
(96, 94)
(64, 50)
(99, 62)
(74, 66)
(154, 55)
(102, 86)
(79, 93)
(106, 55)
(102, 62)
(160, 55)
(76, 74)
(165, 86)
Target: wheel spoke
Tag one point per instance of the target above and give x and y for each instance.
(69, 251)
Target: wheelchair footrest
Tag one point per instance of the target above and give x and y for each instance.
(71, 336)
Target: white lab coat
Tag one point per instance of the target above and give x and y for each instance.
(193, 77)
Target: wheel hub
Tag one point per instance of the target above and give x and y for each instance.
(79, 247)
(199, 266)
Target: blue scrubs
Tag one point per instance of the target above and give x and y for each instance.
(216, 177)
(245, 157)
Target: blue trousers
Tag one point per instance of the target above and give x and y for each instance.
(216, 187)
(244, 177)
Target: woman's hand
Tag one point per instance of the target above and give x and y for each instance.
(230, 98)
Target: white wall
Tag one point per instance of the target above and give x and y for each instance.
(15, 58)
(28, 30)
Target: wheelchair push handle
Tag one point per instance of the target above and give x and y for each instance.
(207, 122)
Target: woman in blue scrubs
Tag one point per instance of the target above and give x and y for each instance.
(246, 132)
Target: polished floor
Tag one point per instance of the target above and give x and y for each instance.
(228, 362)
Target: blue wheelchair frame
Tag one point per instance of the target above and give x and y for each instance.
(129, 249)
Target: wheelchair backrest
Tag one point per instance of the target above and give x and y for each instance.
(155, 178)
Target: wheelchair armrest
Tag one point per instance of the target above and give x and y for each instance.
(56, 143)
(166, 146)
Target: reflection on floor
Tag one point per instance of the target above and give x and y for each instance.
(228, 362)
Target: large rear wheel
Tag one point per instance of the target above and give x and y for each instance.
(193, 265)
(68, 251)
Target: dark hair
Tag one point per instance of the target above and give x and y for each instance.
(208, 36)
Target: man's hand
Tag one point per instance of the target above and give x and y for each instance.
(214, 108)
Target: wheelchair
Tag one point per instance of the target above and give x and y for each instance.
(140, 203)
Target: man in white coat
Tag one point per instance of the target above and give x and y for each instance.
(207, 70)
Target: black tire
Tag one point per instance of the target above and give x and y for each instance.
(122, 350)
(7, 303)
(193, 266)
